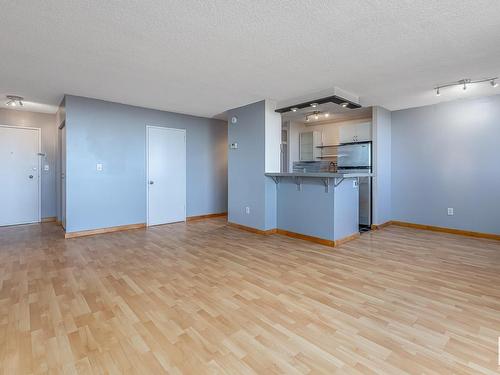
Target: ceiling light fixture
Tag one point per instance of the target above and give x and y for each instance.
(314, 105)
(344, 105)
(294, 109)
(14, 101)
(465, 83)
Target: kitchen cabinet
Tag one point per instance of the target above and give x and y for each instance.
(308, 142)
(355, 132)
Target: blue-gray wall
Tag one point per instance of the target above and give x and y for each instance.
(247, 184)
(448, 155)
(47, 123)
(115, 135)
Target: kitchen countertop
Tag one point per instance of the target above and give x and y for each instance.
(320, 175)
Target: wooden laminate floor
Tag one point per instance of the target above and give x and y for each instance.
(205, 298)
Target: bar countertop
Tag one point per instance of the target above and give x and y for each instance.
(320, 175)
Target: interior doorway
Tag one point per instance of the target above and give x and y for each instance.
(166, 175)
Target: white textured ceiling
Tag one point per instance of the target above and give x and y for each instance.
(204, 57)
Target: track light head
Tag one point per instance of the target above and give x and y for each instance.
(14, 101)
(437, 92)
(494, 83)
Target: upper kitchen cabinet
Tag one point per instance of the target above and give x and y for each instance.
(308, 142)
(361, 132)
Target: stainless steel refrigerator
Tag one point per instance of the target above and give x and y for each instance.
(357, 157)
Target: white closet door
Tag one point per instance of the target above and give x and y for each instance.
(19, 175)
(166, 183)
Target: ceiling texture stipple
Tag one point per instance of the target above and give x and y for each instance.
(203, 58)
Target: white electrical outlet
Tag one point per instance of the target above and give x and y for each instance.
(247, 210)
(451, 212)
(98, 167)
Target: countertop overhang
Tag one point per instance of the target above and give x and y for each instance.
(320, 175)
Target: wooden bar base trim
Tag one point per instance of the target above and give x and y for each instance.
(49, 219)
(342, 241)
(299, 236)
(380, 226)
(253, 230)
(304, 237)
(202, 217)
(104, 230)
(319, 240)
(461, 232)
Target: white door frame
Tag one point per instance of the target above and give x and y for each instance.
(147, 166)
(39, 133)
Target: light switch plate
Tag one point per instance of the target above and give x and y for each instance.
(98, 167)
(46, 167)
(451, 211)
(234, 146)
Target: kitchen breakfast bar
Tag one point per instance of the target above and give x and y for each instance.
(322, 207)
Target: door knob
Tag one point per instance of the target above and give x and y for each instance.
(31, 176)
(151, 182)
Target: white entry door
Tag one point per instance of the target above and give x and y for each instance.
(166, 175)
(19, 175)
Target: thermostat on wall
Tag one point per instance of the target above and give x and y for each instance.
(234, 120)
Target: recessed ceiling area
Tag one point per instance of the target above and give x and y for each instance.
(326, 113)
(204, 58)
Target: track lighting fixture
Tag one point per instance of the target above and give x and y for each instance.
(465, 83)
(344, 105)
(294, 109)
(314, 105)
(316, 115)
(14, 101)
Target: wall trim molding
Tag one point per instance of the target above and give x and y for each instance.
(208, 216)
(252, 230)
(49, 219)
(104, 230)
(433, 228)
